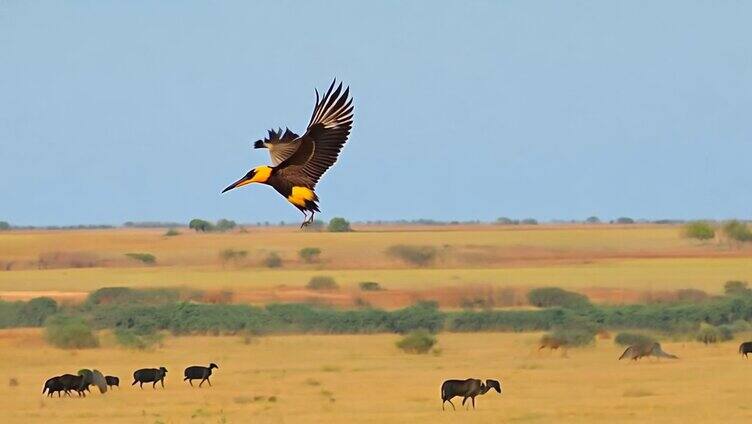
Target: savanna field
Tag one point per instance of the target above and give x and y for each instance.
(365, 377)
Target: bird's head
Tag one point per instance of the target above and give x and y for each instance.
(259, 174)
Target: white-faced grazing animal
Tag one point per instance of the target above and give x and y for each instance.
(149, 375)
(112, 381)
(53, 385)
(745, 348)
(469, 388)
(198, 372)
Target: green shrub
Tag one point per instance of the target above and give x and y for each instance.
(69, 333)
(172, 233)
(739, 326)
(36, 311)
(132, 339)
(309, 254)
(4, 226)
(506, 221)
(624, 220)
(737, 231)
(200, 225)
(421, 316)
(273, 260)
(225, 225)
(322, 283)
(593, 220)
(228, 255)
(709, 334)
(339, 225)
(699, 230)
(369, 286)
(529, 221)
(573, 337)
(629, 339)
(415, 255)
(417, 342)
(548, 297)
(145, 258)
(736, 288)
(126, 295)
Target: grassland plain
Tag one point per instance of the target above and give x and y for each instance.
(647, 257)
(333, 379)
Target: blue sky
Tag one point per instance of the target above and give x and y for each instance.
(116, 111)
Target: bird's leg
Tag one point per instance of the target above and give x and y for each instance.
(305, 219)
(310, 219)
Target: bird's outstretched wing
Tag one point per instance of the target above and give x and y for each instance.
(281, 145)
(327, 132)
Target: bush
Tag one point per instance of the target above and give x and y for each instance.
(273, 260)
(421, 316)
(225, 225)
(629, 339)
(417, 342)
(529, 221)
(570, 337)
(415, 255)
(4, 226)
(309, 254)
(737, 231)
(506, 221)
(172, 233)
(699, 230)
(36, 311)
(228, 255)
(200, 225)
(548, 297)
(711, 334)
(134, 340)
(322, 283)
(593, 220)
(126, 295)
(145, 258)
(624, 220)
(736, 288)
(370, 286)
(339, 225)
(69, 333)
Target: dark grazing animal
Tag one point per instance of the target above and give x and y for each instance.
(745, 348)
(636, 352)
(469, 388)
(73, 382)
(197, 372)
(149, 375)
(112, 381)
(53, 385)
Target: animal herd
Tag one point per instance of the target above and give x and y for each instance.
(467, 389)
(80, 382)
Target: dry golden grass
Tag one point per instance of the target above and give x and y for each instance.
(586, 258)
(335, 379)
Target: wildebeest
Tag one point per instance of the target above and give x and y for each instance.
(53, 385)
(636, 352)
(469, 388)
(73, 382)
(198, 372)
(149, 375)
(745, 348)
(112, 381)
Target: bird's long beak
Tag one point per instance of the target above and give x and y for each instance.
(239, 183)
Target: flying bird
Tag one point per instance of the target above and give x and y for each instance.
(298, 162)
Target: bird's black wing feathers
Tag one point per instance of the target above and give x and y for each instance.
(327, 132)
(281, 145)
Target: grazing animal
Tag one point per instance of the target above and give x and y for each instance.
(298, 162)
(53, 385)
(112, 381)
(197, 372)
(636, 352)
(149, 375)
(745, 348)
(552, 343)
(469, 388)
(73, 382)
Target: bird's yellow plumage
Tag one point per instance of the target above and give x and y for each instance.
(300, 195)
